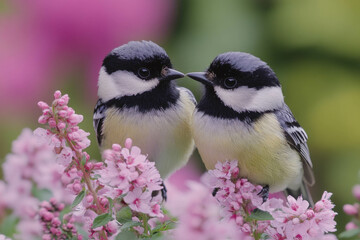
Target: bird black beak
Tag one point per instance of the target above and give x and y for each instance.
(169, 74)
(200, 77)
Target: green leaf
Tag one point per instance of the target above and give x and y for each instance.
(8, 225)
(350, 233)
(124, 215)
(126, 235)
(167, 225)
(260, 215)
(121, 197)
(156, 236)
(111, 204)
(96, 176)
(83, 160)
(101, 220)
(78, 199)
(129, 225)
(41, 194)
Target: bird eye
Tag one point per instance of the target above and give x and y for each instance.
(230, 82)
(143, 72)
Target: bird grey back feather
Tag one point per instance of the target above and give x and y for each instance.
(297, 138)
(98, 119)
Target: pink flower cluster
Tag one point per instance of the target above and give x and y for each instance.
(130, 173)
(126, 178)
(296, 220)
(354, 211)
(53, 228)
(199, 215)
(28, 170)
(292, 220)
(3, 237)
(63, 123)
(237, 196)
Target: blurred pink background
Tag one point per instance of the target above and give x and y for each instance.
(44, 41)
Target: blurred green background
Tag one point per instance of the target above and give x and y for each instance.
(313, 46)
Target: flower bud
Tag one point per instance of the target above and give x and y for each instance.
(57, 94)
(55, 222)
(61, 125)
(98, 166)
(69, 225)
(42, 119)
(128, 143)
(77, 187)
(46, 237)
(310, 214)
(47, 216)
(52, 123)
(46, 205)
(88, 166)
(112, 227)
(350, 226)
(43, 105)
(356, 191)
(104, 201)
(296, 221)
(89, 198)
(350, 209)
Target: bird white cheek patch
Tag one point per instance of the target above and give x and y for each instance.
(251, 99)
(122, 83)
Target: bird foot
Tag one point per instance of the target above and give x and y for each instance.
(164, 192)
(264, 193)
(214, 192)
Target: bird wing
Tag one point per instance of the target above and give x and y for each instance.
(191, 95)
(296, 138)
(98, 119)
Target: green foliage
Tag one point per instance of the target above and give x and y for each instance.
(126, 226)
(8, 226)
(102, 220)
(124, 215)
(78, 199)
(128, 235)
(41, 194)
(350, 233)
(260, 215)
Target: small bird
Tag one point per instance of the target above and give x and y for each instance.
(138, 99)
(242, 116)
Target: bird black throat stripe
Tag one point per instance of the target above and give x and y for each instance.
(212, 105)
(161, 97)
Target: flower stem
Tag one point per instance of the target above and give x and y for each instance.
(86, 177)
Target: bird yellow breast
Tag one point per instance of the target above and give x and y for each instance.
(261, 149)
(162, 134)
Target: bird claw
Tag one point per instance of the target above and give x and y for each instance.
(264, 193)
(214, 192)
(164, 192)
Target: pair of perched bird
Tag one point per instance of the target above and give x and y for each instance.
(242, 116)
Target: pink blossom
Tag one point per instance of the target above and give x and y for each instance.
(138, 201)
(199, 215)
(237, 196)
(292, 220)
(350, 225)
(3, 237)
(53, 228)
(30, 165)
(351, 209)
(296, 221)
(129, 172)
